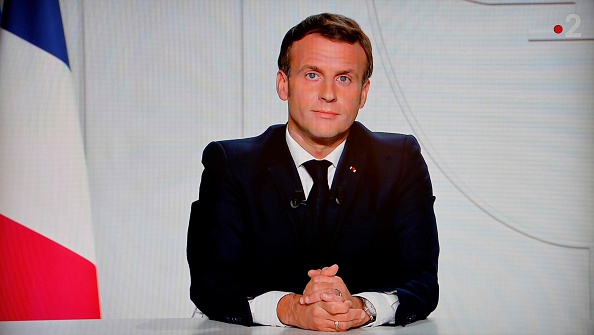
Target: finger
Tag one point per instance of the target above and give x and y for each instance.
(328, 287)
(326, 279)
(313, 286)
(324, 294)
(335, 308)
(354, 316)
(330, 271)
(336, 280)
(342, 326)
(328, 325)
(337, 327)
(326, 271)
(312, 294)
(331, 296)
(318, 319)
(335, 287)
(321, 282)
(313, 273)
(326, 284)
(321, 285)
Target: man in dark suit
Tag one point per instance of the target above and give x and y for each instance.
(320, 223)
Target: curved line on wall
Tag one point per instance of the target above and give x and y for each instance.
(440, 163)
(414, 124)
(520, 3)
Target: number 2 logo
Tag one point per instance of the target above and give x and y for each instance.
(571, 32)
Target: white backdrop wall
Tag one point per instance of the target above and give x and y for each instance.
(503, 108)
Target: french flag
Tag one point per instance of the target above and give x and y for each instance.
(47, 256)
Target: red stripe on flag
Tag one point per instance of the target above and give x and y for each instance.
(42, 280)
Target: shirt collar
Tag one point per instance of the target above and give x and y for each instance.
(301, 156)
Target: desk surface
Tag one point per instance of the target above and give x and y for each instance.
(205, 326)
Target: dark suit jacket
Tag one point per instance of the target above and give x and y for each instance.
(245, 238)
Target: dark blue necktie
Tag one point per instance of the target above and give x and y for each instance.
(317, 200)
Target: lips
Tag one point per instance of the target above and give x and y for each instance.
(325, 113)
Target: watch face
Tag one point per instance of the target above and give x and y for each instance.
(370, 309)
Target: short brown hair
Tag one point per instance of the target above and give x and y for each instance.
(334, 27)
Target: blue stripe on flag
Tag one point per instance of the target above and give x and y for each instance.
(38, 22)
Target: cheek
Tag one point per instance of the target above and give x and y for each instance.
(352, 103)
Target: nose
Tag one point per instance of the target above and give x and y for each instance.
(328, 91)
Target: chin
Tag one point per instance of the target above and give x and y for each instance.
(325, 135)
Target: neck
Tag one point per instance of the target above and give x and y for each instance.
(319, 148)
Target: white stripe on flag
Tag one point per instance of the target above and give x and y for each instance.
(43, 178)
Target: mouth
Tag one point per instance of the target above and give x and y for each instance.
(325, 114)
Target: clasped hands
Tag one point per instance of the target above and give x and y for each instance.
(325, 305)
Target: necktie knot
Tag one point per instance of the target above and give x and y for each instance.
(318, 170)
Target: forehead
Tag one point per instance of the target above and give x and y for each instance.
(316, 50)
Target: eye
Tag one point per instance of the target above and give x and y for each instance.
(312, 75)
(344, 79)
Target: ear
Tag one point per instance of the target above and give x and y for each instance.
(364, 91)
(282, 85)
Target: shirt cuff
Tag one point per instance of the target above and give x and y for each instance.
(264, 306)
(385, 306)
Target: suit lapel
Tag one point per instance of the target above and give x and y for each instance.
(283, 172)
(347, 179)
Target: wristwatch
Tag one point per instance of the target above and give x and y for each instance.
(369, 309)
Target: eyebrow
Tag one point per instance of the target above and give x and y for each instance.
(317, 69)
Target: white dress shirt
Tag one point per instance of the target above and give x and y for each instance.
(263, 307)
